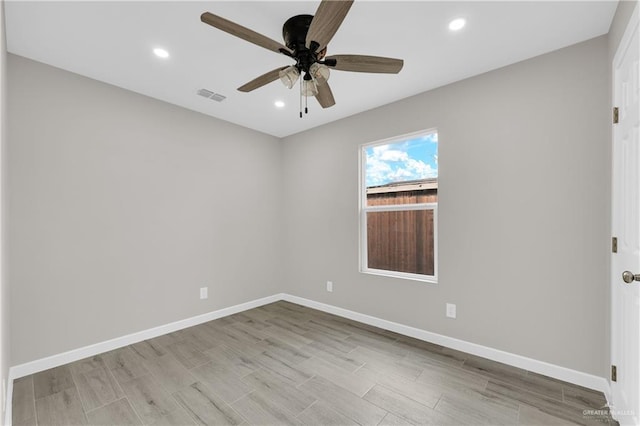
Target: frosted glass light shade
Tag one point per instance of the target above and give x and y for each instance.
(319, 72)
(309, 88)
(289, 76)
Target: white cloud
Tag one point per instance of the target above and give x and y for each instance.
(431, 137)
(379, 149)
(385, 165)
(394, 155)
(420, 170)
(377, 170)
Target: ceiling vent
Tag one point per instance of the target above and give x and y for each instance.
(211, 95)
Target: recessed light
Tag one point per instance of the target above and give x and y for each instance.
(279, 104)
(457, 24)
(161, 53)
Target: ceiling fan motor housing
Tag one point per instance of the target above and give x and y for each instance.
(294, 33)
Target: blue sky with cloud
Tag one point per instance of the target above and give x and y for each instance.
(411, 159)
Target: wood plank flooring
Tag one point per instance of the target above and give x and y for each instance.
(283, 364)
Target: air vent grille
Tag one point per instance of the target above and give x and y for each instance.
(206, 93)
(211, 95)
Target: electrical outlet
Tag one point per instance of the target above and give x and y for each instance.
(451, 310)
(204, 292)
(329, 286)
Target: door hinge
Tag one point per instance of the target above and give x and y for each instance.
(615, 115)
(614, 244)
(614, 373)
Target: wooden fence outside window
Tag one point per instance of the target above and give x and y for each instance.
(402, 240)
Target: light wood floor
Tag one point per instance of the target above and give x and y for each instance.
(287, 364)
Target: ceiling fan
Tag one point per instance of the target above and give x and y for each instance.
(306, 38)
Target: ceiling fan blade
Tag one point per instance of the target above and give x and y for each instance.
(325, 96)
(265, 78)
(363, 63)
(326, 22)
(243, 33)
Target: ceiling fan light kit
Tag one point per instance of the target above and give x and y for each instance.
(306, 38)
(319, 72)
(309, 88)
(289, 76)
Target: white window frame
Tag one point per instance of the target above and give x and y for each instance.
(364, 209)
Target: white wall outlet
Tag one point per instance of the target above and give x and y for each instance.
(329, 286)
(204, 292)
(451, 310)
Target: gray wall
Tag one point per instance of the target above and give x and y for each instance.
(524, 199)
(122, 206)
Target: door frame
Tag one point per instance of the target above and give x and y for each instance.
(614, 277)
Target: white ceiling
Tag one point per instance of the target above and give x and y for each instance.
(113, 41)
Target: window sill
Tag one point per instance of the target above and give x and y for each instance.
(402, 275)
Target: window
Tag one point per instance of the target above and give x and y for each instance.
(399, 207)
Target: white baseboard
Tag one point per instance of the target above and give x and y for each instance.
(557, 372)
(57, 360)
(42, 364)
(561, 373)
